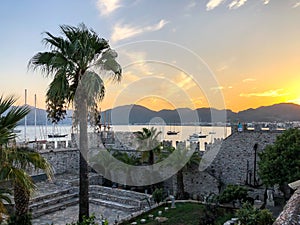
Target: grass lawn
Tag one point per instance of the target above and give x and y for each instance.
(183, 214)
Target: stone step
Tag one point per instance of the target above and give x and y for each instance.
(115, 198)
(53, 201)
(51, 195)
(118, 192)
(109, 197)
(114, 205)
(54, 208)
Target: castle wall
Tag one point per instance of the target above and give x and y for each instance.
(63, 160)
(233, 163)
(235, 158)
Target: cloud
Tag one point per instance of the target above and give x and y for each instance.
(249, 80)
(266, 2)
(236, 4)
(213, 4)
(191, 5)
(270, 93)
(124, 31)
(184, 81)
(217, 88)
(106, 7)
(297, 4)
(222, 68)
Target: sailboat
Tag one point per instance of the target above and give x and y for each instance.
(196, 135)
(170, 132)
(56, 134)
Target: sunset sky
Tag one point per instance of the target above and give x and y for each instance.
(234, 54)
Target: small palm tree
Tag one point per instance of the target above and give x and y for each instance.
(14, 161)
(14, 164)
(126, 158)
(75, 61)
(193, 161)
(185, 159)
(148, 143)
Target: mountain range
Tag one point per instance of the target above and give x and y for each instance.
(136, 114)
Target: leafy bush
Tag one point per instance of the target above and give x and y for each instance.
(249, 215)
(158, 195)
(87, 221)
(232, 193)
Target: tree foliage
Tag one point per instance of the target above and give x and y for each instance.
(157, 195)
(249, 215)
(232, 193)
(79, 53)
(280, 163)
(9, 117)
(15, 161)
(77, 61)
(149, 144)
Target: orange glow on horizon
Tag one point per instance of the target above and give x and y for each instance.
(155, 103)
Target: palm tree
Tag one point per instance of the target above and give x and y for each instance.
(185, 159)
(14, 161)
(14, 164)
(72, 61)
(193, 161)
(148, 143)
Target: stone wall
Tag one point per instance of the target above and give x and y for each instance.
(234, 162)
(199, 183)
(63, 160)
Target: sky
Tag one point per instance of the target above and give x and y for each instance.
(233, 54)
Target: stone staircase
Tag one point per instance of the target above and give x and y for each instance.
(52, 202)
(118, 198)
(109, 197)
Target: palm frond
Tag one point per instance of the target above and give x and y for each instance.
(6, 103)
(93, 87)
(9, 121)
(108, 63)
(9, 172)
(4, 195)
(70, 59)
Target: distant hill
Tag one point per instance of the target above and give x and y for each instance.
(136, 114)
(278, 112)
(41, 117)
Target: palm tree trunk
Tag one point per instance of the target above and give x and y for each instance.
(83, 165)
(21, 197)
(151, 157)
(180, 185)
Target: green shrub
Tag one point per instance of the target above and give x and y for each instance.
(232, 193)
(158, 195)
(249, 215)
(87, 221)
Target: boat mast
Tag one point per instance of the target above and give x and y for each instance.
(35, 138)
(46, 123)
(25, 124)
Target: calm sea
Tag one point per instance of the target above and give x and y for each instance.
(41, 132)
